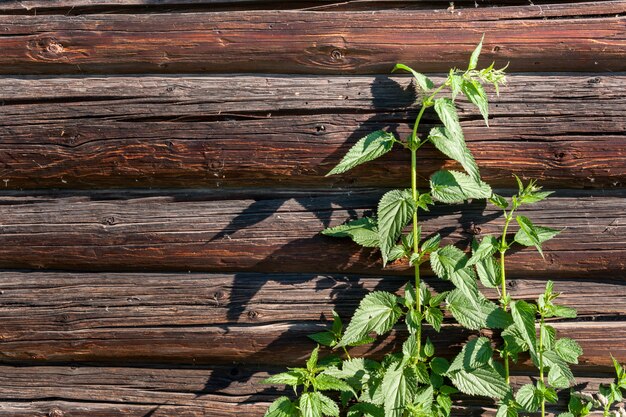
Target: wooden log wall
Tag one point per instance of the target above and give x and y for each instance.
(162, 185)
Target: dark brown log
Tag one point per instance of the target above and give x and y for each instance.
(192, 232)
(61, 301)
(53, 391)
(531, 38)
(260, 131)
(248, 318)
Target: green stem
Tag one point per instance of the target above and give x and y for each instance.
(346, 352)
(416, 243)
(504, 302)
(543, 400)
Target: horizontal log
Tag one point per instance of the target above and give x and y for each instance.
(181, 232)
(75, 302)
(194, 132)
(248, 318)
(75, 7)
(531, 38)
(45, 391)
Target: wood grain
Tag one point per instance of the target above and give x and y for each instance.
(184, 232)
(62, 391)
(531, 38)
(244, 318)
(262, 131)
(64, 301)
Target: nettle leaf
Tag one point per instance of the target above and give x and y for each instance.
(432, 244)
(455, 83)
(531, 235)
(560, 375)
(548, 336)
(524, 318)
(377, 312)
(484, 381)
(487, 247)
(434, 317)
(316, 404)
(282, 407)
(450, 263)
(395, 209)
(514, 341)
(475, 93)
(329, 407)
(291, 378)
(489, 272)
(454, 147)
(476, 353)
(456, 187)
(439, 366)
(363, 231)
(568, 349)
(446, 110)
(324, 338)
(478, 313)
(325, 382)
(366, 410)
(423, 81)
(473, 62)
(529, 397)
(499, 201)
(366, 149)
(399, 387)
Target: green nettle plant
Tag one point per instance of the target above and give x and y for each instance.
(414, 381)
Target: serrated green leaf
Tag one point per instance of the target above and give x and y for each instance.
(409, 347)
(499, 201)
(324, 338)
(450, 263)
(431, 244)
(475, 93)
(377, 312)
(325, 382)
(529, 397)
(455, 83)
(476, 353)
(473, 62)
(429, 348)
(514, 342)
(329, 407)
(548, 336)
(476, 314)
(454, 147)
(310, 405)
(456, 187)
(396, 252)
(564, 312)
(282, 407)
(291, 378)
(487, 247)
(489, 273)
(423, 81)
(524, 318)
(364, 409)
(399, 387)
(446, 110)
(337, 326)
(535, 197)
(540, 233)
(311, 363)
(568, 349)
(363, 231)
(366, 149)
(439, 366)
(560, 375)
(434, 317)
(395, 209)
(482, 381)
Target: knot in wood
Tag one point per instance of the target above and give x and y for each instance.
(252, 314)
(109, 221)
(336, 55)
(55, 412)
(46, 48)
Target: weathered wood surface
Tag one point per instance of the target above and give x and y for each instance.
(247, 318)
(531, 38)
(190, 232)
(60, 391)
(64, 301)
(262, 131)
(69, 7)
